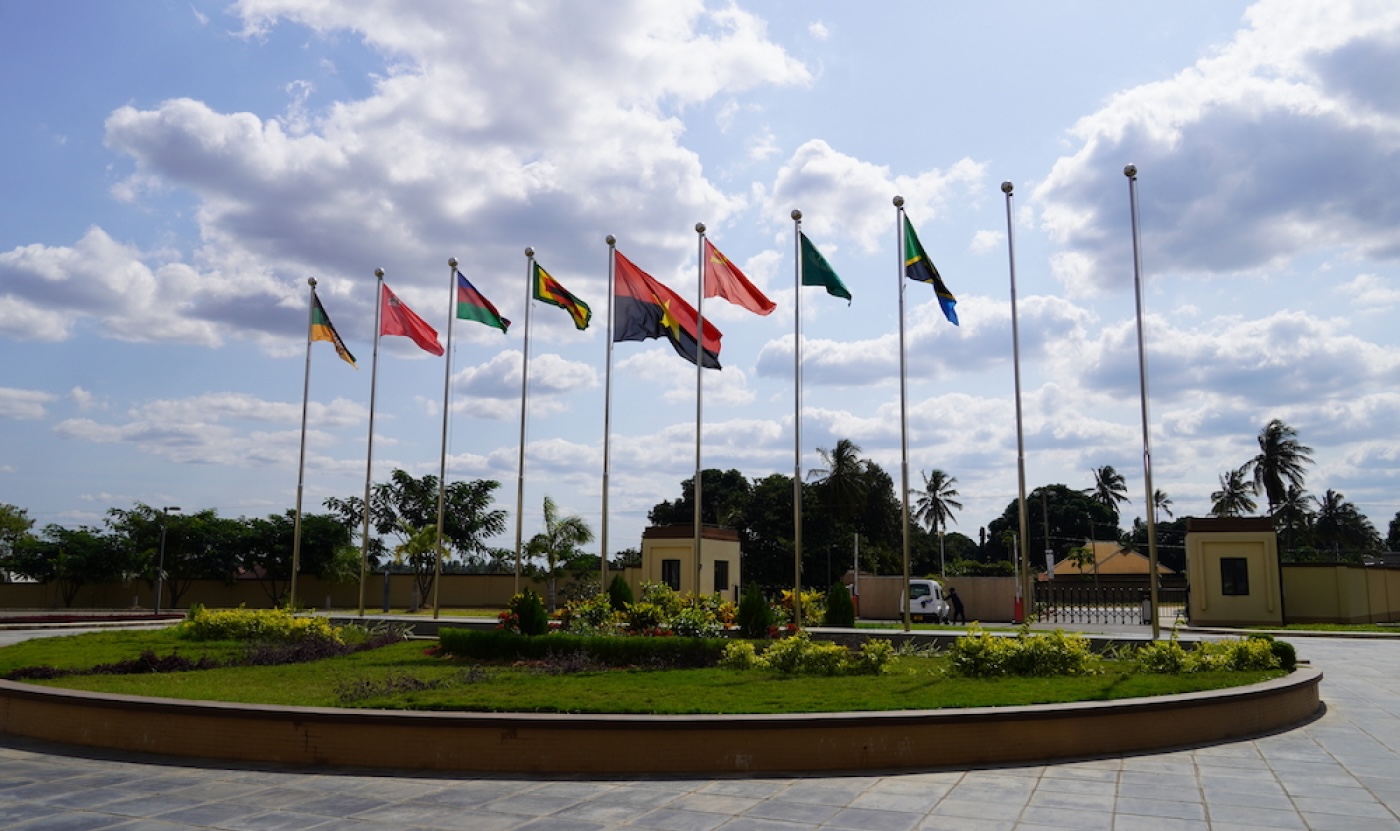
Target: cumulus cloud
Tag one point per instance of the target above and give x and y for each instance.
(24, 404)
(492, 390)
(1282, 142)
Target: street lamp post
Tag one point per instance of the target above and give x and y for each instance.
(160, 565)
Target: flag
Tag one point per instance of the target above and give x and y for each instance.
(817, 272)
(724, 279)
(548, 290)
(917, 266)
(321, 329)
(398, 319)
(472, 305)
(646, 309)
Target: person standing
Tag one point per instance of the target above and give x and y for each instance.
(959, 613)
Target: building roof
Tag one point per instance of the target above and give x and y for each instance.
(1110, 558)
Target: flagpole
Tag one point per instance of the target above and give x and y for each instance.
(369, 448)
(607, 408)
(446, 411)
(524, 385)
(797, 419)
(301, 458)
(699, 389)
(903, 405)
(1026, 586)
(1131, 172)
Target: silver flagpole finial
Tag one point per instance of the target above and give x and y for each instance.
(379, 272)
(1130, 171)
(529, 252)
(1007, 187)
(796, 214)
(611, 240)
(451, 262)
(699, 227)
(311, 281)
(899, 201)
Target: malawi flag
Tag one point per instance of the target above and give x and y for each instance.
(321, 329)
(548, 290)
(472, 305)
(917, 266)
(724, 279)
(395, 318)
(646, 309)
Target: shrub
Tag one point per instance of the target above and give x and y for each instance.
(980, 655)
(740, 655)
(529, 615)
(695, 622)
(592, 615)
(644, 617)
(663, 597)
(755, 615)
(800, 655)
(1242, 654)
(275, 625)
(619, 594)
(840, 611)
(813, 605)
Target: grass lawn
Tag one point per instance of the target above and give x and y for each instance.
(403, 676)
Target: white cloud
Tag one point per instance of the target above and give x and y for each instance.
(818, 30)
(23, 404)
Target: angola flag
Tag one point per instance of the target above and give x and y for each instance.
(647, 309)
(548, 290)
(321, 329)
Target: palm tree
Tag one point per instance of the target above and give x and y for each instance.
(1109, 490)
(1341, 526)
(842, 481)
(1280, 462)
(1294, 516)
(1233, 498)
(558, 543)
(933, 505)
(1162, 502)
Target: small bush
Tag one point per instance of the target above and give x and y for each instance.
(528, 615)
(619, 594)
(273, 625)
(667, 599)
(696, 622)
(755, 615)
(593, 615)
(813, 605)
(799, 655)
(1237, 655)
(981, 655)
(644, 617)
(840, 610)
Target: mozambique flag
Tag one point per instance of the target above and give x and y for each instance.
(548, 290)
(816, 271)
(917, 266)
(321, 329)
(473, 305)
(396, 318)
(724, 279)
(646, 309)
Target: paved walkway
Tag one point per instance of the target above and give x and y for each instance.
(1339, 773)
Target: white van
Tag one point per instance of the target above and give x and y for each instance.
(926, 602)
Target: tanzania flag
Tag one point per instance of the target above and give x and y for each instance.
(472, 305)
(917, 266)
(548, 290)
(321, 329)
(724, 279)
(646, 309)
(817, 272)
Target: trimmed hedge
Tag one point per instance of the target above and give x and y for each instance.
(501, 645)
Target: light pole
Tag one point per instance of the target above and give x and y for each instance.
(160, 565)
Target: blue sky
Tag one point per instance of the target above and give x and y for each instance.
(176, 171)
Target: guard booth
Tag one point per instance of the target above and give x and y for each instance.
(668, 556)
(1234, 570)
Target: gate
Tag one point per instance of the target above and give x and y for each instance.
(1124, 604)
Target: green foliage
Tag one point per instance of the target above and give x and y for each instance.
(840, 610)
(528, 612)
(592, 615)
(267, 625)
(1235, 655)
(755, 615)
(697, 621)
(619, 651)
(799, 655)
(644, 617)
(972, 568)
(813, 606)
(619, 594)
(979, 654)
(667, 599)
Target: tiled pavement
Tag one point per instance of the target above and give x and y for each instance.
(1341, 772)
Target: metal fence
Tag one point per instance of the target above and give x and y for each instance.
(1120, 604)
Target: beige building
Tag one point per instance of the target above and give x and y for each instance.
(1235, 571)
(668, 556)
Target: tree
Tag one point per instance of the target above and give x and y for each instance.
(1280, 462)
(1109, 490)
(1162, 502)
(1392, 539)
(404, 506)
(265, 548)
(933, 505)
(15, 526)
(1341, 527)
(1233, 498)
(199, 546)
(73, 557)
(1073, 516)
(1294, 517)
(841, 482)
(726, 496)
(558, 544)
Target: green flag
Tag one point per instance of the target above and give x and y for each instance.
(816, 271)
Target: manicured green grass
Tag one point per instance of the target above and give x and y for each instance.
(913, 683)
(1391, 628)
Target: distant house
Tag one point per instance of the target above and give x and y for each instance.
(1110, 560)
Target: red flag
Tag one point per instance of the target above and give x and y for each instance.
(398, 319)
(724, 279)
